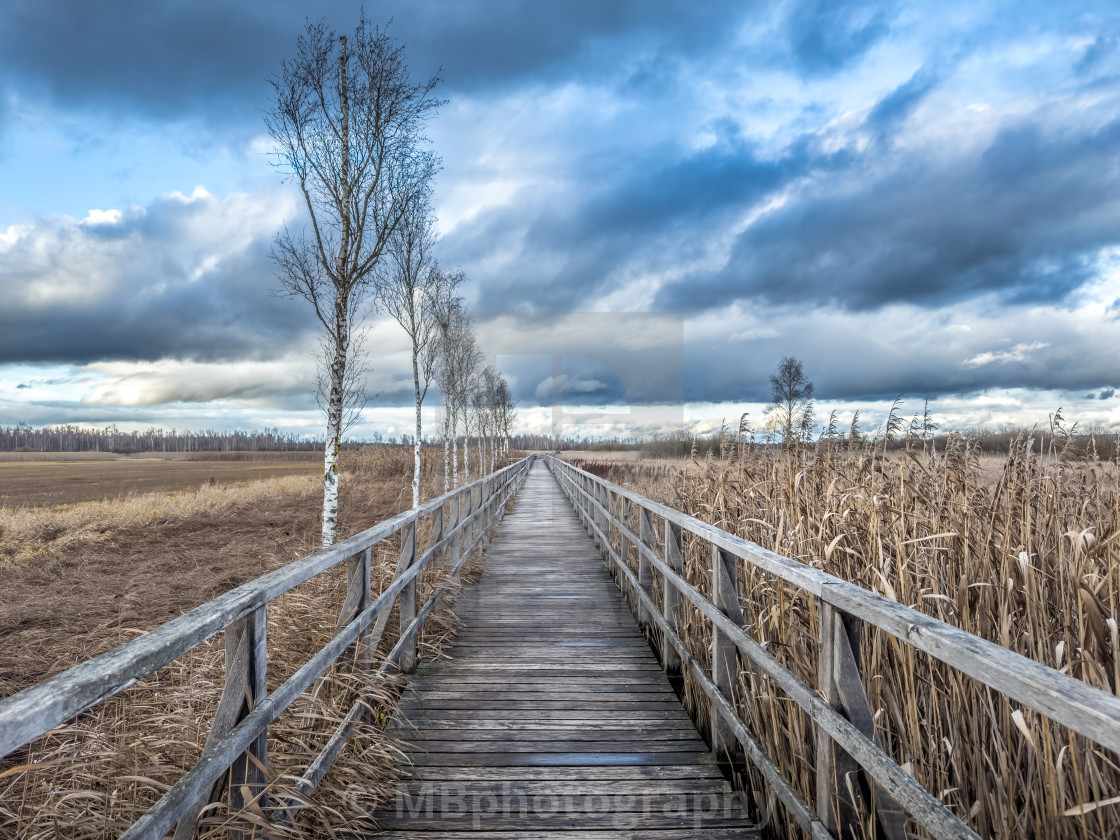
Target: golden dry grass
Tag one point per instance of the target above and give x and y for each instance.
(1025, 553)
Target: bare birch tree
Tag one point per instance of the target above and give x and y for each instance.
(791, 399)
(455, 350)
(417, 293)
(348, 123)
(493, 411)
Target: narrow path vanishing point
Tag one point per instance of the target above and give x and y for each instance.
(553, 717)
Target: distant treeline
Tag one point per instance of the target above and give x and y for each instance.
(1073, 443)
(24, 438)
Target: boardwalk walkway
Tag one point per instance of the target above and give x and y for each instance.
(553, 715)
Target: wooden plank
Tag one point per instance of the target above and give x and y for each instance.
(653, 834)
(597, 774)
(601, 744)
(561, 822)
(580, 787)
(598, 733)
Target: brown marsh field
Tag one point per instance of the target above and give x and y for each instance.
(48, 479)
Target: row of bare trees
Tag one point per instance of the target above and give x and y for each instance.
(475, 397)
(348, 123)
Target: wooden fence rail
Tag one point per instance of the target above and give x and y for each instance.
(838, 705)
(460, 523)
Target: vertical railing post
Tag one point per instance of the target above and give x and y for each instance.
(645, 577)
(247, 774)
(357, 599)
(407, 661)
(839, 776)
(610, 502)
(725, 655)
(604, 518)
(456, 537)
(468, 532)
(246, 685)
(593, 512)
(624, 551)
(439, 515)
(670, 598)
(485, 500)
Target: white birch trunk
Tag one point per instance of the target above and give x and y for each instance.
(455, 447)
(446, 450)
(334, 435)
(416, 443)
(467, 450)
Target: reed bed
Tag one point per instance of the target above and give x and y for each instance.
(94, 776)
(1025, 553)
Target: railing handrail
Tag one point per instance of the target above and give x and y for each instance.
(37, 710)
(1089, 711)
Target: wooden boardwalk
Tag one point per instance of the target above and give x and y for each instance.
(553, 715)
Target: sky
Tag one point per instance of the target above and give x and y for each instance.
(653, 203)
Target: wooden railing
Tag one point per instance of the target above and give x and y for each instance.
(838, 704)
(460, 523)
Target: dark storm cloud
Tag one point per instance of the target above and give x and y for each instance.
(826, 35)
(182, 278)
(1024, 218)
(616, 223)
(209, 60)
(1104, 51)
(873, 359)
(204, 60)
(897, 106)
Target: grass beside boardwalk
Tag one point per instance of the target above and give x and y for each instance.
(81, 579)
(1024, 552)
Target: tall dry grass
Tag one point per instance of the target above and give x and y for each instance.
(95, 775)
(27, 533)
(1027, 556)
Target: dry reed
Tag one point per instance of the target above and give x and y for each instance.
(1027, 556)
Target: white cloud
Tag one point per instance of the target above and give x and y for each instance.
(168, 381)
(102, 217)
(1018, 353)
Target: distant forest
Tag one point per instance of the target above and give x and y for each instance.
(23, 438)
(1075, 444)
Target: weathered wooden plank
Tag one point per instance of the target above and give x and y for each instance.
(578, 788)
(652, 834)
(695, 821)
(586, 731)
(601, 744)
(708, 770)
